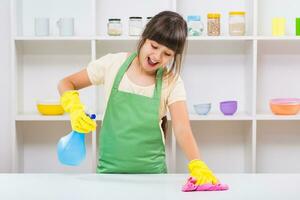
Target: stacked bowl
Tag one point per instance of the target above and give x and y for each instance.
(285, 106)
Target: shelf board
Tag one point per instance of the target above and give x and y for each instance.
(56, 38)
(117, 38)
(220, 117)
(38, 117)
(193, 117)
(127, 38)
(136, 38)
(222, 38)
(277, 38)
(277, 117)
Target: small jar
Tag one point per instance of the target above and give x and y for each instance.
(195, 25)
(213, 24)
(237, 23)
(148, 19)
(114, 27)
(135, 26)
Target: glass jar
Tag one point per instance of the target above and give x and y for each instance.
(237, 25)
(195, 25)
(148, 19)
(213, 24)
(114, 27)
(135, 26)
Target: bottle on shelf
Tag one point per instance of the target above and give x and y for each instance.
(195, 25)
(135, 26)
(278, 26)
(213, 24)
(114, 27)
(237, 23)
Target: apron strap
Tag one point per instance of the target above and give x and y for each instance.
(123, 69)
(158, 84)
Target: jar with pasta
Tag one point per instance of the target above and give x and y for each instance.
(213, 24)
(237, 23)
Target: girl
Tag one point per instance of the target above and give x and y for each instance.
(139, 88)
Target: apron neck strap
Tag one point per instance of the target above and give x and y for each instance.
(123, 69)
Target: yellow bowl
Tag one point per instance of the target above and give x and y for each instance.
(50, 107)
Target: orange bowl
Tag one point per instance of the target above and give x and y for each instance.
(285, 109)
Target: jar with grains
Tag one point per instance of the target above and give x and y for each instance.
(213, 24)
(237, 25)
(114, 27)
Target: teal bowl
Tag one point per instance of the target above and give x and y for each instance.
(203, 108)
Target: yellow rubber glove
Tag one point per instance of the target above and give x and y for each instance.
(80, 122)
(200, 171)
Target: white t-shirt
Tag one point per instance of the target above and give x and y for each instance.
(105, 69)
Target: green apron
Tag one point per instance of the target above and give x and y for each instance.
(130, 136)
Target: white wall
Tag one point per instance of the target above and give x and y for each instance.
(5, 139)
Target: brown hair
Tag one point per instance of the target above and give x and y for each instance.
(169, 29)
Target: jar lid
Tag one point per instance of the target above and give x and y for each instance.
(114, 19)
(194, 18)
(237, 13)
(213, 15)
(135, 17)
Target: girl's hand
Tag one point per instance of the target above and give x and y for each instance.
(200, 171)
(80, 122)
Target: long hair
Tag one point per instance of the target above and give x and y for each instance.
(169, 29)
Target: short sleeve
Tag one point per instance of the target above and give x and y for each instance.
(177, 92)
(96, 70)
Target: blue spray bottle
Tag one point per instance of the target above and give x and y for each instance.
(71, 148)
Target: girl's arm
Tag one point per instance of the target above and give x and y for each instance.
(182, 130)
(71, 103)
(75, 81)
(184, 136)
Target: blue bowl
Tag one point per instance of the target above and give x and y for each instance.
(202, 109)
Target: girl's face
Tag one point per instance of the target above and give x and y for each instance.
(154, 55)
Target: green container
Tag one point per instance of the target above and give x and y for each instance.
(298, 26)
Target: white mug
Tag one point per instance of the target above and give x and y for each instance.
(66, 26)
(41, 26)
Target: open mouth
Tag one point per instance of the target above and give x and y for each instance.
(151, 62)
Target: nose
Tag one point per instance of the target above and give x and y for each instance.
(157, 56)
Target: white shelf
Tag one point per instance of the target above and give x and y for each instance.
(38, 117)
(277, 117)
(193, 117)
(34, 38)
(136, 38)
(221, 117)
(276, 38)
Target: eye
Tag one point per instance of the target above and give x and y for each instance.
(168, 54)
(154, 46)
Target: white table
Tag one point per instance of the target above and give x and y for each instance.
(143, 187)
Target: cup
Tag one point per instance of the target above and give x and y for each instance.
(298, 26)
(66, 26)
(278, 26)
(41, 26)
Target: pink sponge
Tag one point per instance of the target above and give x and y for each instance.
(191, 186)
